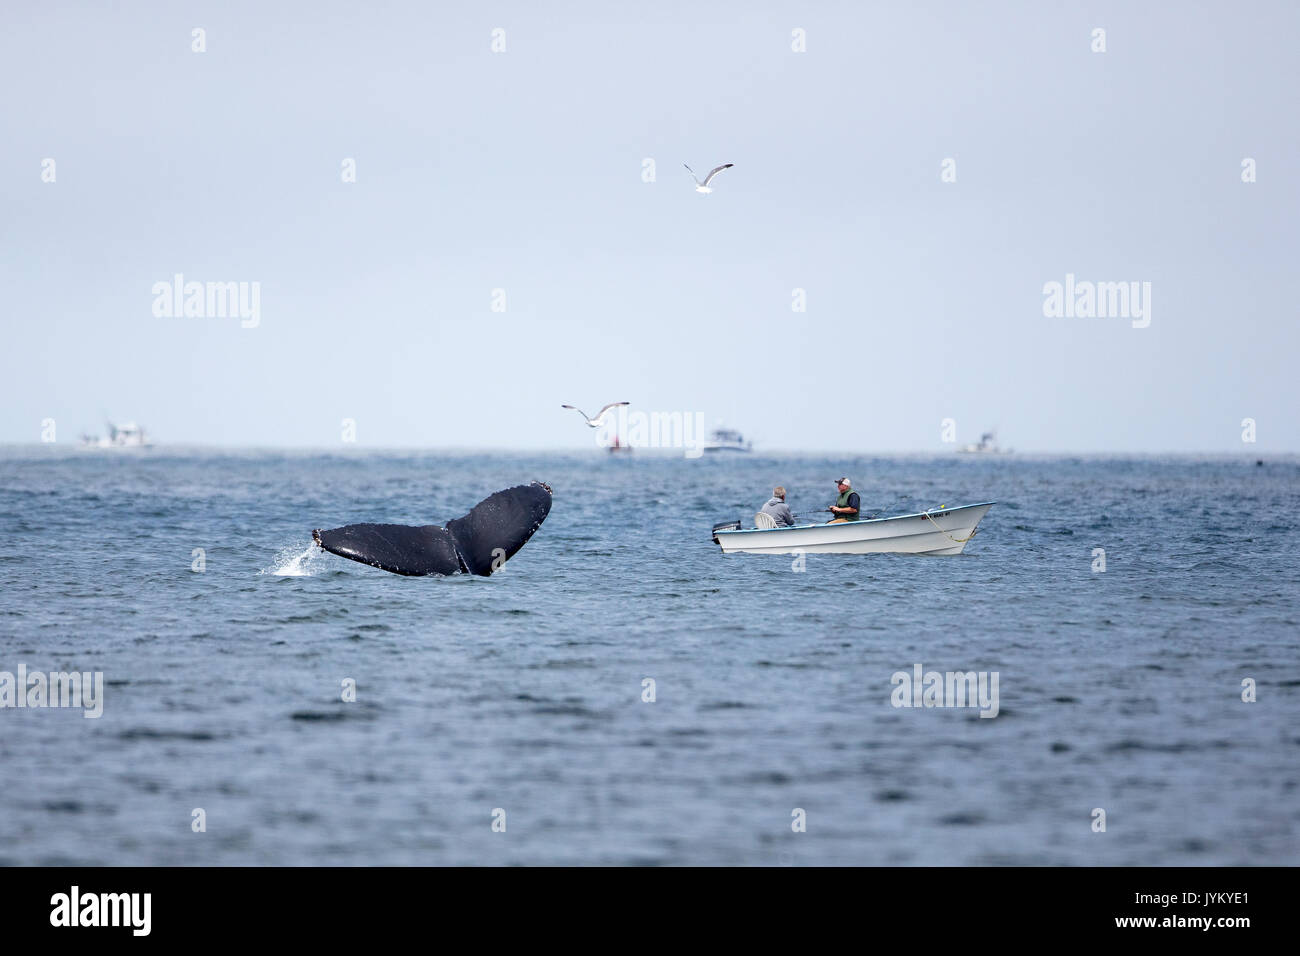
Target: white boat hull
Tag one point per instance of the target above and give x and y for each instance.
(942, 531)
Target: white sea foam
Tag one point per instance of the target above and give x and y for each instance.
(297, 562)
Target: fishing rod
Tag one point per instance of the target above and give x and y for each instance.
(825, 511)
(880, 511)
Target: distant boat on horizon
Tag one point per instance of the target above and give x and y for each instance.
(726, 439)
(987, 445)
(129, 435)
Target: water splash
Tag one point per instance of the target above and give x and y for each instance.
(296, 561)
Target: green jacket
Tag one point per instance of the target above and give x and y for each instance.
(846, 501)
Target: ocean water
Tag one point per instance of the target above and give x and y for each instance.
(519, 697)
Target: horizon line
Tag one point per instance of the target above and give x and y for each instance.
(653, 452)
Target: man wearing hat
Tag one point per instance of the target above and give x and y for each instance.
(848, 505)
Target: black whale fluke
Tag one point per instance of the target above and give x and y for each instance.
(478, 543)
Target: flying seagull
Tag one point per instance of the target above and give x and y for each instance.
(595, 422)
(703, 187)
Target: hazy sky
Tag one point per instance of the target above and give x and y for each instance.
(522, 171)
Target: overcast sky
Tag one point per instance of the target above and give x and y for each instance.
(524, 171)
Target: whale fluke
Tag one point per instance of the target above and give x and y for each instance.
(479, 543)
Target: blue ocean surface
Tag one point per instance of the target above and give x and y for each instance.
(520, 698)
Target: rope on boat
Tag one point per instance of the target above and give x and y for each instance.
(926, 514)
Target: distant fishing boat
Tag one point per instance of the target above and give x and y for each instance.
(617, 447)
(938, 531)
(987, 445)
(726, 439)
(129, 435)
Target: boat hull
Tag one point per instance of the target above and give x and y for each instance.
(938, 532)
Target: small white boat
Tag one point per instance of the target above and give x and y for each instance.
(726, 439)
(987, 445)
(938, 531)
(130, 435)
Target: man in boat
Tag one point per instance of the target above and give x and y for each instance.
(778, 509)
(848, 505)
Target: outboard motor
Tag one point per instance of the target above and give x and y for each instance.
(725, 526)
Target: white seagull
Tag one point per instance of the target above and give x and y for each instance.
(703, 187)
(595, 422)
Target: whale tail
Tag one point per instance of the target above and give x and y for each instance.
(478, 543)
